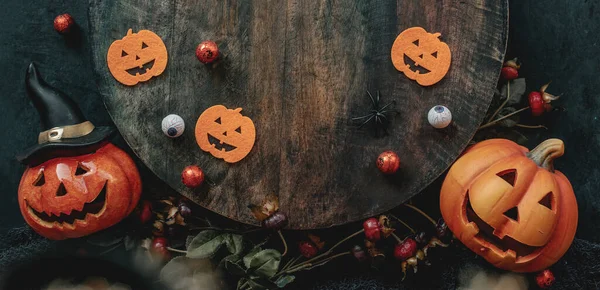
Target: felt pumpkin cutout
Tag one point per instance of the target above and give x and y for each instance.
(137, 57)
(70, 197)
(225, 133)
(421, 56)
(509, 205)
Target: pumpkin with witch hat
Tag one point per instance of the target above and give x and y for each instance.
(76, 182)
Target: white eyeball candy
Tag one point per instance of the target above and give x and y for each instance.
(173, 126)
(439, 117)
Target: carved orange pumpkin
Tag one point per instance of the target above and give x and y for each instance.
(225, 133)
(70, 197)
(421, 56)
(137, 57)
(509, 205)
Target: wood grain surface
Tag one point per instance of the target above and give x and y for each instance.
(300, 70)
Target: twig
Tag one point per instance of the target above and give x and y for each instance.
(285, 246)
(402, 222)
(291, 263)
(422, 213)
(398, 239)
(503, 103)
(502, 118)
(531, 127)
(110, 249)
(176, 250)
(311, 266)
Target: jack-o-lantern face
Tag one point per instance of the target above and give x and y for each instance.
(137, 57)
(509, 205)
(225, 133)
(421, 56)
(72, 197)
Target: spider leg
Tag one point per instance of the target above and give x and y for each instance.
(365, 122)
(383, 108)
(378, 97)
(362, 117)
(373, 101)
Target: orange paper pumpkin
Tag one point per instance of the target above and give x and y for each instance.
(509, 205)
(71, 197)
(421, 56)
(137, 57)
(225, 133)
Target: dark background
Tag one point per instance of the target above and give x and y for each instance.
(555, 40)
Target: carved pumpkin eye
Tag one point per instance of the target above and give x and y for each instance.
(416, 42)
(512, 214)
(434, 54)
(81, 170)
(123, 53)
(144, 45)
(546, 200)
(218, 120)
(61, 190)
(509, 175)
(239, 130)
(41, 180)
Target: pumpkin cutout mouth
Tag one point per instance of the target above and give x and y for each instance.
(94, 207)
(219, 144)
(486, 238)
(142, 69)
(414, 66)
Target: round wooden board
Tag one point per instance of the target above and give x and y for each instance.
(299, 70)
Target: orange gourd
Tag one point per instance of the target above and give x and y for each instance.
(70, 197)
(509, 205)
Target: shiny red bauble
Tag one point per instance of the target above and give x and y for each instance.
(308, 249)
(192, 176)
(545, 279)
(63, 23)
(405, 250)
(536, 103)
(388, 162)
(207, 52)
(372, 229)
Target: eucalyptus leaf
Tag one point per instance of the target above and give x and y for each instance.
(205, 244)
(284, 280)
(233, 268)
(517, 90)
(265, 263)
(235, 243)
(248, 258)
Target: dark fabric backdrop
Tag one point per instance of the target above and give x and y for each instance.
(556, 40)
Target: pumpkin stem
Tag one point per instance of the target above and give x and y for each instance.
(545, 153)
(130, 31)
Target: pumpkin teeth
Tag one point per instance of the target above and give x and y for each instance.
(220, 145)
(141, 69)
(93, 207)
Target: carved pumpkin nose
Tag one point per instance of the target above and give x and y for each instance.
(137, 57)
(225, 133)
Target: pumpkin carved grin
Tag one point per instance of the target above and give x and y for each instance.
(94, 207)
(142, 69)
(487, 239)
(414, 67)
(219, 144)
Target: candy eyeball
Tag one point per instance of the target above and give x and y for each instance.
(439, 117)
(173, 126)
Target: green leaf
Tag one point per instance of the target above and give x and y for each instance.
(235, 243)
(205, 244)
(233, 268)
(511, 121)
(265, 263)
(284, 280)
(517, 90)
(254, 285)
(250, 255)
(241, 284)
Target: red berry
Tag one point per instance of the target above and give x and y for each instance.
(372, 229)
(308, 249)
(545, 279)
(509, 73)
(405, 250)
(207, 52)
(63, 23)
(159, 247)
(536, 103)
(184, 209)
(192, 176)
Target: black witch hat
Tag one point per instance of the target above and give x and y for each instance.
(65, 131)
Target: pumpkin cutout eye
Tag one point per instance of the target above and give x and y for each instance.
(218, 120)
(512, 214)
(547, 200)
(144, 45)
(239, 130)
(434, 54)
(41, 180)
(81, 170)
(510, 176)
(61, 191)
(123, 54)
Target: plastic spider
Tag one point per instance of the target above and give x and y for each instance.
(377, 114)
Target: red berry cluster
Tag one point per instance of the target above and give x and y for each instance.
(539, 102)
(510, 70)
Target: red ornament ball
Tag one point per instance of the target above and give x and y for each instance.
(372, 229)
(405, 250)
(388, 162)
(536, 103)
(509, 73)
(192, 176)
(308, 249)
(145, 211)
(159, 248)
(63, 23)
(207, 52)
(545, 279)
